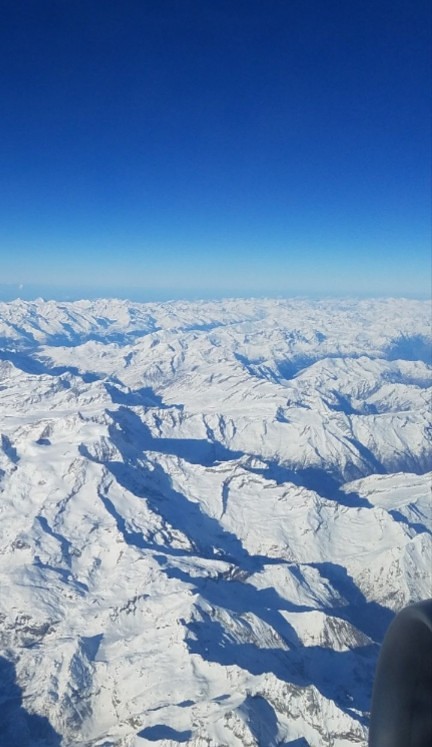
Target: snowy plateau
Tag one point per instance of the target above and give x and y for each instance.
(209, 514)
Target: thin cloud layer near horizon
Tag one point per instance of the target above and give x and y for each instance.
(198, 148)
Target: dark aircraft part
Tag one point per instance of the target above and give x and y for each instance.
(402, 695)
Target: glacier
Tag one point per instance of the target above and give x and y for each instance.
(209, 514)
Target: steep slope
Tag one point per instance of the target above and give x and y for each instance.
(209, 513)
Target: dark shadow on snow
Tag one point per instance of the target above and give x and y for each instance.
(162, 731)
(43, 442)
(144, 397)
(206, 535)
(36, 367)
(411, 348)
(132, 538)
(74, 339)
(369, 617)
(416, 526)
(18, 727)
(261, 719)
(9, 449)
(241, 597)
(312, 478)
(90, 645)
(342, 676)
(71, 337)
(63, 573)
(128, 428)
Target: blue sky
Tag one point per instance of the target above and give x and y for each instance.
(195, 148)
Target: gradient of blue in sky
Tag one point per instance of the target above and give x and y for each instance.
(215, 147)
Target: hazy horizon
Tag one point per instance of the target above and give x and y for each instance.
(10, 292)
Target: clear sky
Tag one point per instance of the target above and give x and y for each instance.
(195, 148)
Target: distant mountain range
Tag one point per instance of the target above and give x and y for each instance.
(209, 514)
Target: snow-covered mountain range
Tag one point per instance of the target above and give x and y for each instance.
(209, 513)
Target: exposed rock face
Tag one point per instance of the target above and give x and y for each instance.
(209, 513)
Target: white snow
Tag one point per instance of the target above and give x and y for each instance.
(209, 513)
